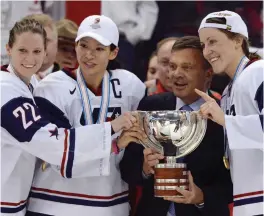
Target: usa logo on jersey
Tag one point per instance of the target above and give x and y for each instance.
(113, 113)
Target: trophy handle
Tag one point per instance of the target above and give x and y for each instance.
(149, 142)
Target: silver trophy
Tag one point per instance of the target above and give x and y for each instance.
(174, 134)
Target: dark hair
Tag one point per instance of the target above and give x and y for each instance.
(27, 25)
(113, 64)
(192, 42)
(233, 36)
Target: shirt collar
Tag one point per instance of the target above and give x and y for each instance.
(195, 105)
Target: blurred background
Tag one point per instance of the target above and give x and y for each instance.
(142, 24)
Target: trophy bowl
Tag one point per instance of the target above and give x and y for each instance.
(174, 134)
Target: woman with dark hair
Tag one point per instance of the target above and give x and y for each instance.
(224, 38)
(94, 93)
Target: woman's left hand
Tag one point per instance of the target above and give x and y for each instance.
(134, 134)
(210, 109)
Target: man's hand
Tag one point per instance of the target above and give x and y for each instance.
(193, 196)
(151, 158)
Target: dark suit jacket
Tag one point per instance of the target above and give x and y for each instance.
(205, 164)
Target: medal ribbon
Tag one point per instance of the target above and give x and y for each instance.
(87, 108)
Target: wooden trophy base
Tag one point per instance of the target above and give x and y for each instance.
(168, 176)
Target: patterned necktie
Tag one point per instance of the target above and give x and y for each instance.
(171, 211)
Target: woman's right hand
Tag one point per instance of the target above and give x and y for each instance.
(123, 122)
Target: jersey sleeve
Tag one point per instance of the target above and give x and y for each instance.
(246, 132)
(84, 151)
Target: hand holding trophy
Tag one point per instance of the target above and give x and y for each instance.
(173, 134)
(134, 134)
(131, 132)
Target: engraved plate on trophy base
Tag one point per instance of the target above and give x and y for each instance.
(168, 176)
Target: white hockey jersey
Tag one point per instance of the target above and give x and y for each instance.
(59, 96)
(26, 134)
(34, 81)
(244, 127)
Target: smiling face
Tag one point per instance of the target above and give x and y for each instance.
(92, 56)
(187, 72)
(27, 53)
(220, 51)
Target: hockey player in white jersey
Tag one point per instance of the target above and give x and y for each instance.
(91, 94)
(27, 134)
(224, 36)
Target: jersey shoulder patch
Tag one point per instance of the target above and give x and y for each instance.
(21, 118)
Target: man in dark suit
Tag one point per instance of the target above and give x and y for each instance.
(209, 180)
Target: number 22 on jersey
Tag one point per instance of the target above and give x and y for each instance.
(21, 111)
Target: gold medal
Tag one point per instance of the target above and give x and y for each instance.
(44, 166)
(226, 162)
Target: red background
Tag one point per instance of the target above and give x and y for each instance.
(78, 10)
